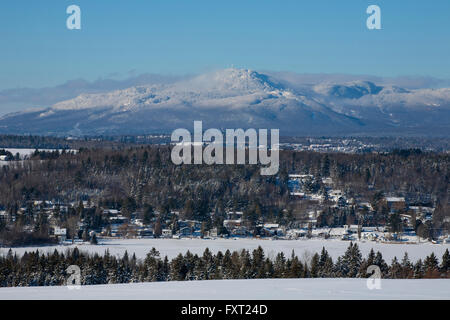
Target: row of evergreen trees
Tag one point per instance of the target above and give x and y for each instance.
(37, 269)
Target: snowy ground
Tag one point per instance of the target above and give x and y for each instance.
(303, 248)
(279, 289)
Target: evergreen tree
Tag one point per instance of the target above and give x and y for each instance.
(431, 265)
(325, 264)
(315, 268)
(258, 263)
(418, 270)
(295, 267)
(407, 267)
(445, 265)
(379, 261)
(395, 270)
(352, 261)
(280, 265)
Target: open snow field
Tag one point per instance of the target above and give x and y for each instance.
(303, 248)
(267, 289)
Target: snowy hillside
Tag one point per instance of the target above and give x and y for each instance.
(234, 98)
(279, 289)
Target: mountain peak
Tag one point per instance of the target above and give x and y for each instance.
(242, 98)
(233, 79)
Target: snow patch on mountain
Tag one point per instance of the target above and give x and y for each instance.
(240, 98)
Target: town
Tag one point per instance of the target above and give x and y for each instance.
(68, 190)
(331, 214)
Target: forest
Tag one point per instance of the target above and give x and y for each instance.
(142, 179)
(39, 269)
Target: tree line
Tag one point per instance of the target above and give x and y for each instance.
(50, 269)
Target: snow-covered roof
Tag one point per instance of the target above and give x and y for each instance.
(395, 199)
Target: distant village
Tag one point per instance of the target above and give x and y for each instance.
(115, 224)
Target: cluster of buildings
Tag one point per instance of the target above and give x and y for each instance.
(318, 192)
(305, 187)
(330, 145)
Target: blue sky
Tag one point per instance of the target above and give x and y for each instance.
(121, 38)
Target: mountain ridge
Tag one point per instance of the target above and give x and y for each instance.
(235, 98)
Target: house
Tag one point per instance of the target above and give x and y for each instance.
(298, 194)
(185, 232)
(60, 233)
(234, 220)
(296, 233)
(111, 212)
(118, 221)
(3, 216)
(213, 233)
(300, 177)
(239, 232)
(422, 212)
(166, 233)
(367, 205)
(145, 233)
(272, 226)
(190, 223)
(395, 203)
(335, 195)
(138, 222)
(351, 228)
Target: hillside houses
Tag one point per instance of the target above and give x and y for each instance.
(322, 205)
(233, 220)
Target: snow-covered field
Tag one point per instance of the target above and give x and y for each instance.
(267, 289)
(303, 248)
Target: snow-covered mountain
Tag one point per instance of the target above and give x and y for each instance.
(238, 98)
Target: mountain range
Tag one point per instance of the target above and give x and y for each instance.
(240, 98)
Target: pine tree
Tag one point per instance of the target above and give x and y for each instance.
(379, 261)
(268, 269)
(418, 270)
(351, 261)
(431, 265)
(227, 266)
(395, 271)
(295, 267)
(177, 268)
(315, 266)
(245, 265)
(280, 266)
(407, 268)
(445, 265)
(371, 257)
(325, 265)
(340, 270)
(258, 263)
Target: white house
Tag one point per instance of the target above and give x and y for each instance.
(166, 233)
